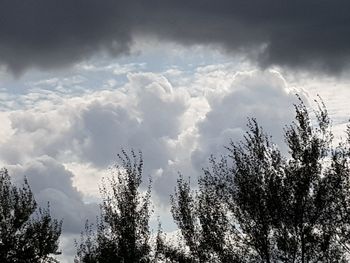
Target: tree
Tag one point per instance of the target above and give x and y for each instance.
(205, 227)
(25, 237)
(258, 205)
(255, 193)
(122, 233)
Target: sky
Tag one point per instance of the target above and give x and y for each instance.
(81, 80)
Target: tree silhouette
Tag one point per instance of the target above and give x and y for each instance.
(258, 205)
(203, 222)
(25, 237)
(122, 233)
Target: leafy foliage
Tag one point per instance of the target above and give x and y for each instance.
(24, 237)
(258, 205)
(204, 224)
(123, 232)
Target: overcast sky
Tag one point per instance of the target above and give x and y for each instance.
(80, 80)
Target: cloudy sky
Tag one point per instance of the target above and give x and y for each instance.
(80, 80)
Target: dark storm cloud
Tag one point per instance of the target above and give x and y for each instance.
(48, 33)
(295, 33)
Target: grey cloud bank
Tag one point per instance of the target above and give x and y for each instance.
(297, 34)
(177, 130)
(52, 183)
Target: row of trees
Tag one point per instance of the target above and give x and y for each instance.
(254, 205)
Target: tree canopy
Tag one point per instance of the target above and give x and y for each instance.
(258, 204)
(122, 233)
(27, 234)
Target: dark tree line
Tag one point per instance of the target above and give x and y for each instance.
(256, 204)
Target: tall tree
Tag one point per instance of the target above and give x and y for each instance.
(308, 208)
(122, 233)
(203, 221)
(254, 192)
(25, 237)
(289, 206)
